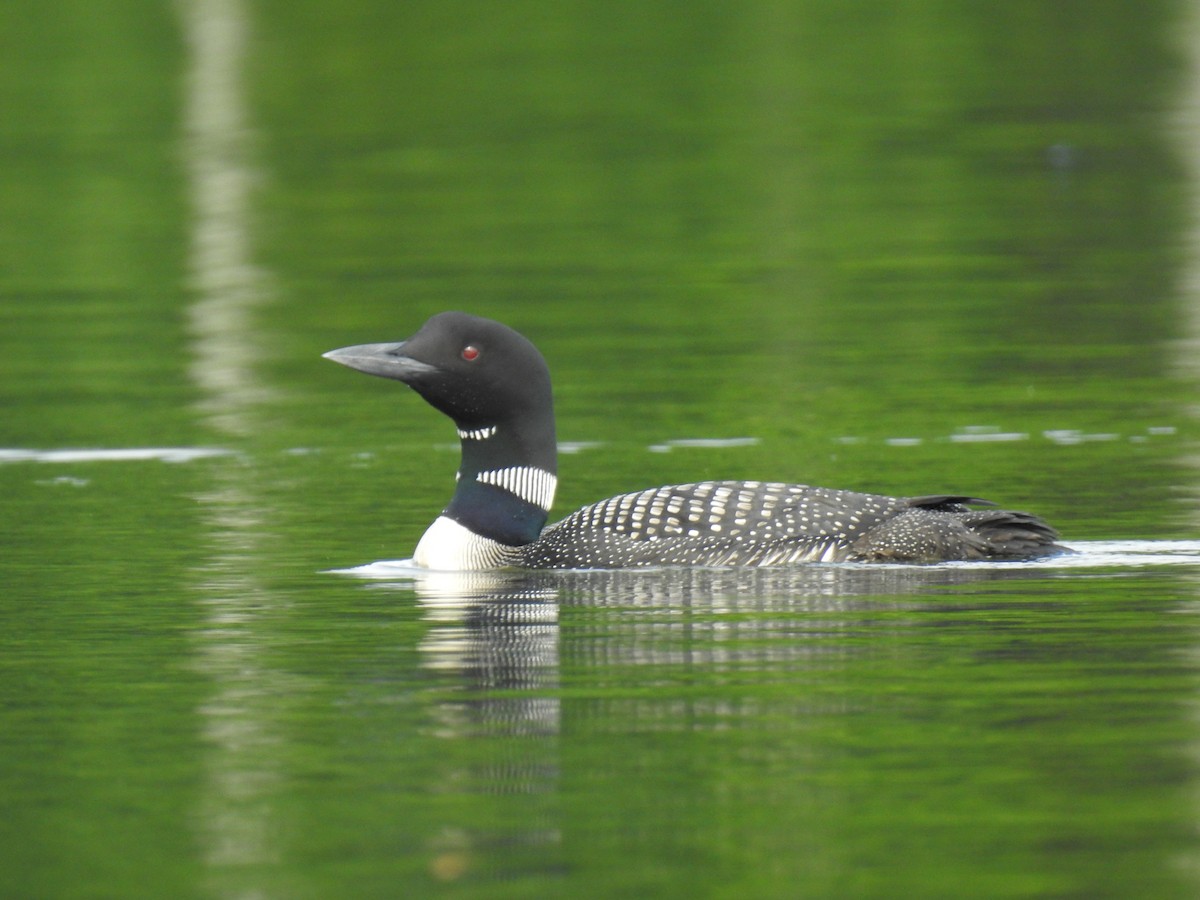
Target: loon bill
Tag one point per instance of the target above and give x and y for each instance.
(495, 385)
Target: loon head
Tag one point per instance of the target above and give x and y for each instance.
(495, 386)
(476, 371)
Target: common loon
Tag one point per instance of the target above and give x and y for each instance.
(495, 385)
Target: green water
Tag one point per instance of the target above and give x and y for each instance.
(910, 248)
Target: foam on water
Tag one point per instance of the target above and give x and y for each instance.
(1123, 554)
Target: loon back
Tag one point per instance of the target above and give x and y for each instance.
(750, 523)
(495, 385)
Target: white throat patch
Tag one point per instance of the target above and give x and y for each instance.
(477, 434)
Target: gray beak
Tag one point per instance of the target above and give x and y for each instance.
(384, 360)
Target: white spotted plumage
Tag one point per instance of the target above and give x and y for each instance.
(773, 524)
(712, 524)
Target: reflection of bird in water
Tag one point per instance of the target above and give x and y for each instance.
(495, 385)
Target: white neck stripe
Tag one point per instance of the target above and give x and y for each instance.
(531, 484)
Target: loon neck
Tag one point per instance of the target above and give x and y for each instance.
(506, 480)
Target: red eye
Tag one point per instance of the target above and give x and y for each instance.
(470, 353)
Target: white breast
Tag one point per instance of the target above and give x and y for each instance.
(448, 546)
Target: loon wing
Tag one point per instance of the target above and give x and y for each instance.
(714, 523)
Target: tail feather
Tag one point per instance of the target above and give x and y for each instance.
(1007, 534)
(942, 528)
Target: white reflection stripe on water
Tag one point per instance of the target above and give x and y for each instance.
(704, 443)
(976, 437)
(127, 454)
(578, 446)
(242, 720)
(980, 434)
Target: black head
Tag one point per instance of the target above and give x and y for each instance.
(476, 371)
(480, 373)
